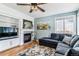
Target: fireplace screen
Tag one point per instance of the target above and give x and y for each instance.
(27, 37)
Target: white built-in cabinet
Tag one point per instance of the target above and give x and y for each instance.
(4, 45)
(10, 43)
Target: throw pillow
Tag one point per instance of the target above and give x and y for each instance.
(67, 40)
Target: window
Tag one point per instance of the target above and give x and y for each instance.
(65, 24)
(59, 25)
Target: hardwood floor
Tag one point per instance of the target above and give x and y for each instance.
(14, 51)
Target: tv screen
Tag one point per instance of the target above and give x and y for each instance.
(8, 31)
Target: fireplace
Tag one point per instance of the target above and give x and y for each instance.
(27, 37)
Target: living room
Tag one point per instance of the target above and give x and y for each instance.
(39, 29)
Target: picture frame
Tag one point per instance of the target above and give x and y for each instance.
(27, 24)
(42, 26)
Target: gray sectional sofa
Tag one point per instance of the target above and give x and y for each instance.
(63, 47)
(66, 45)
(51, 41)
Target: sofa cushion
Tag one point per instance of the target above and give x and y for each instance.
(67, 40)
(52, 40)
(74, 52)
(76, 44)
(58, 37)
(45, 38)
(76, 49)
(62, 49)
(61, 37)
(63, 45)
(53, 35)
(73, 36)
(74, 40)
(69, 35)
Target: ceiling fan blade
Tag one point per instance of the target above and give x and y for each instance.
(22, 4)
(30, 10)
(41, 9)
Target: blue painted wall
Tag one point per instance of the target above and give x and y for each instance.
(51, 21)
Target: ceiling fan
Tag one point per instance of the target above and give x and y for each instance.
(34, 6)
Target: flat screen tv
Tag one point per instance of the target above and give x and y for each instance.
(8, 31)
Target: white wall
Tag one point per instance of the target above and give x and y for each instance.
(8, 21)
(7, 11)
(4, 10)
(51, 21)
(44, 33)
(78, 24)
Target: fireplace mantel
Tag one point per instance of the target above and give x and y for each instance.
(28, 29)
(24, 30)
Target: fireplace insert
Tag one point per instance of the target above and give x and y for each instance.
(27, 37)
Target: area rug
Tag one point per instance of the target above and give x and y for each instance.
(38, 50)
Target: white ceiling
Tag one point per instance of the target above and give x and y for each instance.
(50, 9)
